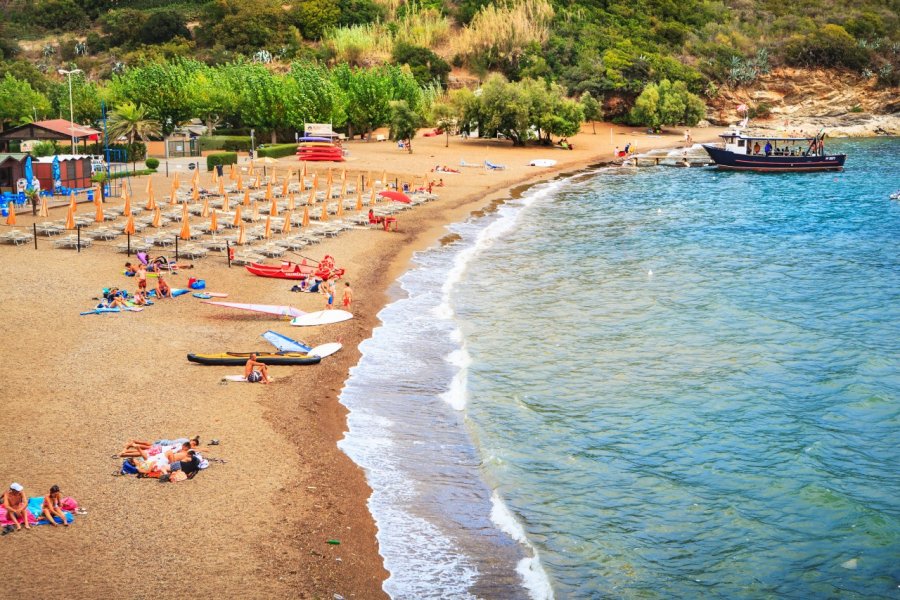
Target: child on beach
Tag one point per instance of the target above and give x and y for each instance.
(142, 277)
(129, 270)
(348, 296)
(327, 288)
(51, 507)
(162, 288)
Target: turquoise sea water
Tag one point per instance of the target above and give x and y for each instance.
(646, 384)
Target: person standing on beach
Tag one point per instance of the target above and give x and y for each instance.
(142, 277)
(348, 296)
(15, 505)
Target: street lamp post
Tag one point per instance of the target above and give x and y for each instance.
(252, 145)
(71, 107)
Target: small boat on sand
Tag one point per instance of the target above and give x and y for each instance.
(286, 270)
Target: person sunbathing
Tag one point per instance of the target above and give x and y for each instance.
(174, 456)
(162, 288)
(145, 466)
(189, 465)
(15, 505)
(52, 507)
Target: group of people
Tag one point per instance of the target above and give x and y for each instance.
(169, 460)
(565, 144)
(16, 505)
(816, 148)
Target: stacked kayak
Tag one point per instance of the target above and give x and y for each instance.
(316, 150)
(236, 359)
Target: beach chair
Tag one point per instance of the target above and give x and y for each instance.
(463, 163)
(492, 167)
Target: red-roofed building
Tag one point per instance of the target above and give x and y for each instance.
(52, 129)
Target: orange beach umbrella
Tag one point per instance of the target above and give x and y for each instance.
(284, 186)
(237, 215)
(292, 202)
(242, 235)
(359, 201)
(222, 187)
(246, 197)
(240, 182)
(311, 199)
(273, 209)
(286, 227)
(303, 174)
(255, 214)
(151, 200)
(268, 190)
(340, 208)
(70, 218)
(98, 216)
(372, 198)
(45, 210)
(129, 225)
(205, 211)
(73, 202)
(213, 223)
(224, 202)
(268, 231)
(185, 233)
(149, 185)
(157, 218)
(324, 216)
(305, 221)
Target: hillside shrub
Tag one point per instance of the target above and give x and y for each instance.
(152, 163)
(277, 150)
(830, 46)
(426, 66)
(220, 158)
(162, 26)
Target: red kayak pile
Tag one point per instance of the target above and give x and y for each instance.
(318, 151)
(325, 270)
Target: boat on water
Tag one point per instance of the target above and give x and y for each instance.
(767, 154)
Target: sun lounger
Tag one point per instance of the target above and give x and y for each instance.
(272, 251)
(71, 242)
(192, 252)
(492, 167)
(245, 258)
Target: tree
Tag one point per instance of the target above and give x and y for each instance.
(505, 108)
(404, 122)
(368, 95)
(593, 110)
(163, 88)
(131, 120)
(313, 97)
(262, 102)
(358, 12)
(425, 65)
(313, 17)
(667, 103)
(162, 26)
(443, 115)
(214, 98)
(18, 100)
(85, 99)
(58, 14)
(244, 26)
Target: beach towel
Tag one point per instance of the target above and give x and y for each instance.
(69, 505)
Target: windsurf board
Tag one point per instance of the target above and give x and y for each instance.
(326, 349)
(321, 317)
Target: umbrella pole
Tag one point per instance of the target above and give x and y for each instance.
(34, 228)
(129, 244)
(78, 244)
(176, 248)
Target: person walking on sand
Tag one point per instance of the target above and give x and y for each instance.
(52, 508)
(347, 300)
(15, 505)
(327, 289)
(255, 371)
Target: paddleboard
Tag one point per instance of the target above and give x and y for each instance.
(100, 311)
(216, 294)
(201, 295)
(321, 317)
(242, 379)
(326, 349)
(175, 292)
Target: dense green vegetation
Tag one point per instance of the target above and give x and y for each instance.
(271, 65)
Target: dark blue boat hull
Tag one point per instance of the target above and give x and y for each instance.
(732, 161)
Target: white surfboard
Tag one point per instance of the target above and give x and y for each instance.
(542, 162)
(326, 349)
(242, 379)
(321, 317)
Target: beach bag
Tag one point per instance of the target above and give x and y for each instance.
(176, 476)
(197, 284)
(129, 469)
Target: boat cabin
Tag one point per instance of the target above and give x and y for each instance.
(753, 145)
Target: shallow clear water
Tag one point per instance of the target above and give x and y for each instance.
(665, 383)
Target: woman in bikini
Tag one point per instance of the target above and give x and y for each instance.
(51, 507)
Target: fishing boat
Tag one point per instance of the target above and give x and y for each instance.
(767, 154)
(235, 359)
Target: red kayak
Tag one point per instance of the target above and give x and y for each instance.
(286, 270)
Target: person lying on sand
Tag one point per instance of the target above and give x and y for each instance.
(188, 465)
(256, 371)
(175, 455)
(51, 507)
(145, 466)
(15, 505)
(135, 448)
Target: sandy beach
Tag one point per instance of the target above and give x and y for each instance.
(259, 524)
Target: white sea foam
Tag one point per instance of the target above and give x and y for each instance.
(534, 578)
(457, 395)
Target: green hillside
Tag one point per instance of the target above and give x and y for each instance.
(609, 49)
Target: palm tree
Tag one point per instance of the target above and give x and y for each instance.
(130, 119)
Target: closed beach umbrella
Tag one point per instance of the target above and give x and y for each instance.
(302, 183)
(232, 172)
(151, 201)
(129, 225)
(340, 208)
(73, 202)
(70, 218)
(292, 202)
(372, 198)
(284, 186)
(359, 202)
(256, 182)
(98, 216)
(242, 235)
(224, 202)
(184, 212)
(343, 188)
(56, 171)
(173, 198)
(149, 185)
(240, 182)
(246, 197)
(196, 178)
(185, 233)
(29, 174)
(369, 179)
(324, 216)
(305, 221)
(273, 210)
(11, 218)
(195, 193)
(45, 210)
(312, 196)
(175, 182)
(315, 182)
(215, 175)
(213, 223)
(255, 214)
(303, 174)
(268, 231)
(268, 190)
(221, 187)
(250, 170)
(330, 181)
(286, 227)
(384, 179)
(237, 215)
(126, 210)
(157, 218)
(205, 210)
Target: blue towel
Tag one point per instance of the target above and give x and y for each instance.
(34, 507)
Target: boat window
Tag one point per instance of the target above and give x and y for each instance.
(740, 143)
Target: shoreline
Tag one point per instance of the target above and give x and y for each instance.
(280, 440)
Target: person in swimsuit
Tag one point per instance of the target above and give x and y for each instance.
(142, 277)
(182, 454)
(256, 371)
(162, 288)
(51, 507)
(139, 298)
(15, 505)
(326, 289)
(129, 270)
(188, 465)
(348, 295)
